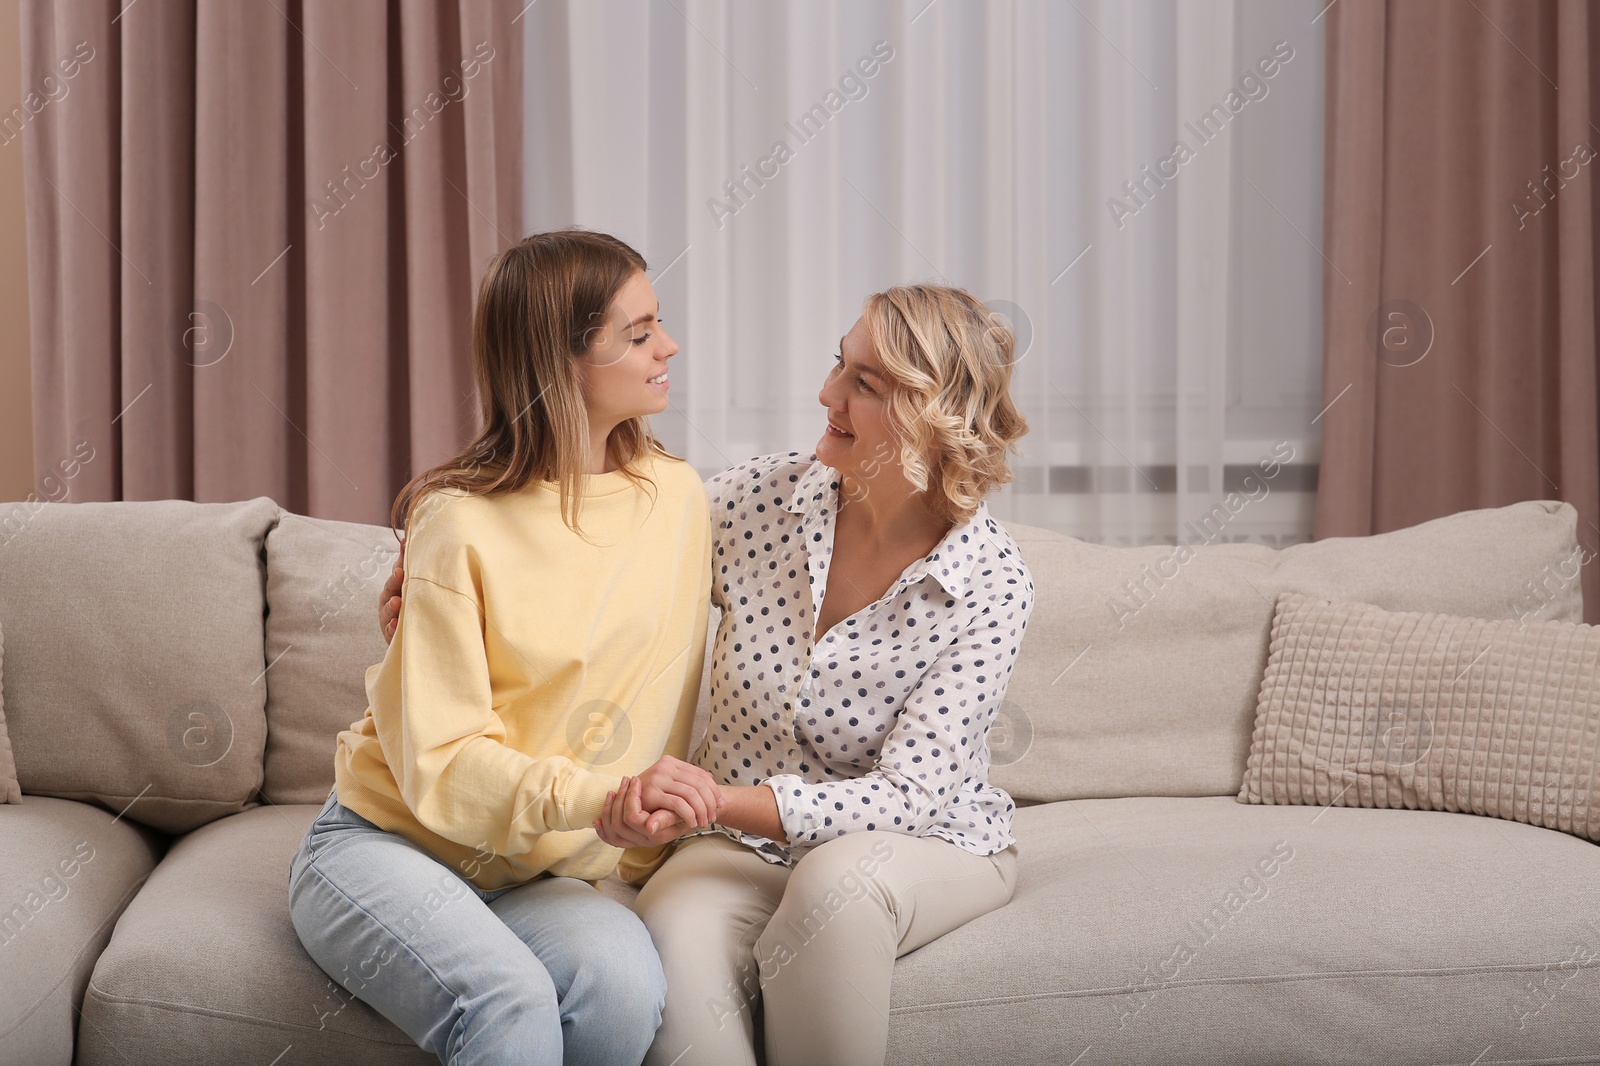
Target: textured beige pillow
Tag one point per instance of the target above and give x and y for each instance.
(323, 579)
(1362, 707)
(134, 670)
(10, 791)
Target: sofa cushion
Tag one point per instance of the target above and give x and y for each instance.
(1187, 931)
(66, 871)
(206, 968)
(323, 579)
(1363, 707)
(134, 656)
(1314, 936)
(10, 791)
(1139, 672)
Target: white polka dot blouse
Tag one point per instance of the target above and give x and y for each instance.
(884, 725)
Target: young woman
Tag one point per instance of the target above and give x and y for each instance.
(553, 636)
(871, 615)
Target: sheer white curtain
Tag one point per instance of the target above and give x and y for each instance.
(776, 162)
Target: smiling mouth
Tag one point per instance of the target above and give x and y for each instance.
(837, 432)
(661, 380)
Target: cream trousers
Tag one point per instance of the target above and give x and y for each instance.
(811, 946)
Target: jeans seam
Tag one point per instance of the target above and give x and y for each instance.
(311, 864)
(345, 818)
(312, 833)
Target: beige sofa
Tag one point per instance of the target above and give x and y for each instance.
(174, 675)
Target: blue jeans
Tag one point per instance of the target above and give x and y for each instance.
(551, 971)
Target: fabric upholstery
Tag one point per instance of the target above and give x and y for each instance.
(1184, 696)
(205, 966)
(10, 791)
(1139, 672)
(1147, 930)
(323, 580)
(1156, 930)
(1362, 707)
(68, 870)
(1313, 937)
(133, 674)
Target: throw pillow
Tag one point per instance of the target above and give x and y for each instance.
(1363, 707)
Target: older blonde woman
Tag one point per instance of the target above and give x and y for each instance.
(871, 615)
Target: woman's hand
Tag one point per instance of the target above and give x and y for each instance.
(682, 788)
(626, 824)
(389, 598)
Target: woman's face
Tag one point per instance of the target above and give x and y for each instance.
(625, 365)
(857, 439)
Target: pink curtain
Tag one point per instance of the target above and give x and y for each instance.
(255, 232)
(1460, 234)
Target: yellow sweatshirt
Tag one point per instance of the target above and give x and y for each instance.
(531, 670)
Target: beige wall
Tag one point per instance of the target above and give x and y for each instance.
(16, 422)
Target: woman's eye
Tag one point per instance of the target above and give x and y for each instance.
(863, 383)
(641, 340)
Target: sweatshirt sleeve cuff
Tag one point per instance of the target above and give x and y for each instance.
(586, 798)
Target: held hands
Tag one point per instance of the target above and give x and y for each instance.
(626, 824)
(660, 805)
(682, 789)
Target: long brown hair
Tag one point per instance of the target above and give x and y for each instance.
(539, 305)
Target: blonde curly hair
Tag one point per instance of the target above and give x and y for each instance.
(950, 359)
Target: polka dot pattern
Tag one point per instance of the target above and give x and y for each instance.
(885, 724)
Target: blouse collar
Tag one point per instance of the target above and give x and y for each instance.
(816, 499)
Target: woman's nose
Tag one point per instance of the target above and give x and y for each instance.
(822, 393)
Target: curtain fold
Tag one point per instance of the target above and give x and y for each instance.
(1459, 324)
(255, 232)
